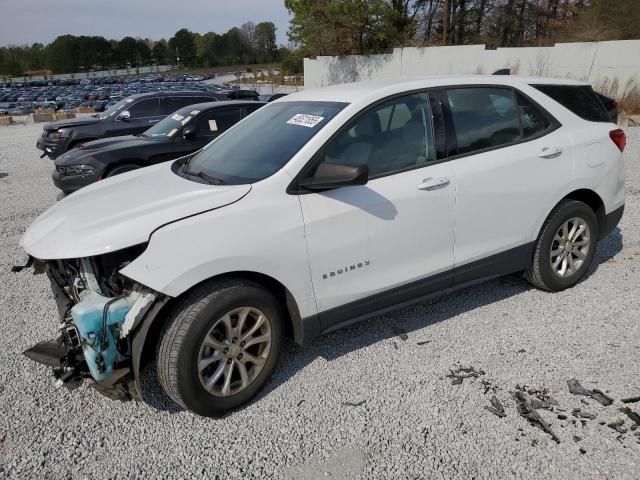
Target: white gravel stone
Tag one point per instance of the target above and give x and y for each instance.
(414, 423)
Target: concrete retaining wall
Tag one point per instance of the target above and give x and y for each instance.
(600, 63)
(96, 74)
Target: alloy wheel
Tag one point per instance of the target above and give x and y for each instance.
(234, 351)
(570, 247)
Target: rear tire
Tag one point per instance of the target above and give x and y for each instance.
(565, 247)
(219, 346)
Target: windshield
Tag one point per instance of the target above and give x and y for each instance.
(169, 126)
(263, 143)
(114, 109)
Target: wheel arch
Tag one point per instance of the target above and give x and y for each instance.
(584, 195)
(146, 335)
(594, 201)
(122, 163)
(77, 141)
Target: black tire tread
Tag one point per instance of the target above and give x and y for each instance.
(177, 326)
(533, 274)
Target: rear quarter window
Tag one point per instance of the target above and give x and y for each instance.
(581, 100)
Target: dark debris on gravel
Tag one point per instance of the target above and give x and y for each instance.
(597, 395)
(458, 375)
(528, 400)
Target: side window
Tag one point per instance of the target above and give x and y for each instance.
(483, 117)
(532, 119)
(171, 104)
(394, 136)
(217, 121)
(149, 107)
(581, 100)
(247, 95)
(252, 109)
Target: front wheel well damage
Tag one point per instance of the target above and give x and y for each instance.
(152, 325)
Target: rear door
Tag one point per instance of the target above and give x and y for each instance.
(511, 158)
(391, 240)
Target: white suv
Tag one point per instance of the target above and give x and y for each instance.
(322, 209)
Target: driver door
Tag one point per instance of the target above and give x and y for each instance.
(377, 245)
(143, 114)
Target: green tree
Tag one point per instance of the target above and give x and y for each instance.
(63, 54)
(184, 46)
(128, 51)
(143, 52)
(333, 27)
(160, 52)
(265, 46)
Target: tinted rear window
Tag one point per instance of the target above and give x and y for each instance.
(581, 100)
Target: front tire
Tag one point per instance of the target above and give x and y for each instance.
(565, 247)
(220, 346)
(121, 169)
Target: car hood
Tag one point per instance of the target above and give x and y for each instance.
(72, 122)
(104, 144)
(121, 211)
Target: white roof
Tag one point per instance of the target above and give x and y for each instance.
(355, 92)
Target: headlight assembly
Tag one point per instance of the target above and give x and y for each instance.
(77, 169)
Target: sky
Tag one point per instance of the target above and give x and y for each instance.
(29, 21)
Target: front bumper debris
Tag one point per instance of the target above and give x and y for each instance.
(96, 330)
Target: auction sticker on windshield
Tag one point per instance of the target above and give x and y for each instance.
(305, 120)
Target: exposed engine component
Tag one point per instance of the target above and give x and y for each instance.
(98, 309)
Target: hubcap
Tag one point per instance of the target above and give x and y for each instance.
(570, 247)
(234, 351)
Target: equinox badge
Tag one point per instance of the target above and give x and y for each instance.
(346, 269)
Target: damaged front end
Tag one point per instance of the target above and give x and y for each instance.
(99, 310)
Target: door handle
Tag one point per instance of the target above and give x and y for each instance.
(433, 183)
(549, 152)
(154, 121)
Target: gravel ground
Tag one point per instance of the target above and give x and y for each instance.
(360, 403)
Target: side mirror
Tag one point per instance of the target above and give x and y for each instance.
(335, 175)
(189, 132)
(125, 116)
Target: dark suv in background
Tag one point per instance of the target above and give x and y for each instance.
(130, 116)
(185, 131)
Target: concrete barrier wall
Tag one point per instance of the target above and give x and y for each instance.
(97, 74)
(614, 63)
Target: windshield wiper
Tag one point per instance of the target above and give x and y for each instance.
(209, 178)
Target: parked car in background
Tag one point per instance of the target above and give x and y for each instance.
(185, 131)
(129, 116)
(324, 208)
(239, 94)
(272, 97)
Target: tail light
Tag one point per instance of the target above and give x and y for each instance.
(619, 138)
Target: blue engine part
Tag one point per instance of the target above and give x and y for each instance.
(100, 353)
